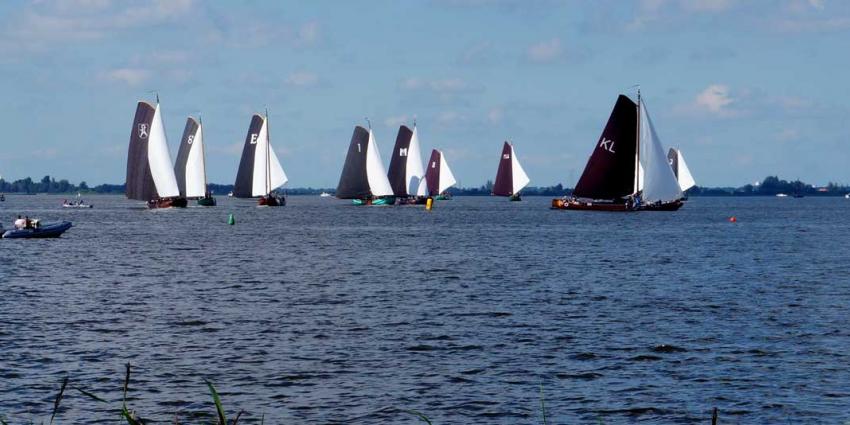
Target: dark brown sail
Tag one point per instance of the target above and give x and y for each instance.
(673, 159)
(140, 185)
(504, 185)
(243, 188)
(432, 173)
(353, 182)
(610, 171)
(189, 133)
(398, 162)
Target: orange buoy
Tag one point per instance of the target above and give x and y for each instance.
(733, 219)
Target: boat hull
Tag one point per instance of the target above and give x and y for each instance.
(664, 206)
(52, 230)
(443, 197)
(515, 198)
(83, 206)
(569, 204)
(207, 202)
(386, 200)
(271, 201)
(168, 203)
(415, 200)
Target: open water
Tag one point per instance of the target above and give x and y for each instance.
(321, 312)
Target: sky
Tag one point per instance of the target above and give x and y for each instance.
(745, 89)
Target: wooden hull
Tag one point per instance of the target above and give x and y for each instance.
(168, 203)
(418, 200)
(569, 204)
(515, 198)
(272, 201)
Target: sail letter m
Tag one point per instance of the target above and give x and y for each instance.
(607, 144)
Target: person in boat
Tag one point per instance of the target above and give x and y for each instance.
(20, 223)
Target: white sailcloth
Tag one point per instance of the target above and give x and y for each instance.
(414, 171)
(658, 181)
(376, 174)
(196, 183)
(447, 179)
(520, 179)
(159, 159)
(268, 173)
(686, 180)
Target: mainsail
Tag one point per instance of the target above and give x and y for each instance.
(510, 177)
(190, 166)
(149, 171)
(658, 181)
(260, 171)
(406, 170)
(439, 176)
(363, 174)
(610, 171)
(680, 169)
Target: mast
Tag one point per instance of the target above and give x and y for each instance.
(637, 144)
(268, 156)
(203, 153)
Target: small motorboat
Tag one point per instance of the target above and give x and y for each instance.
(37, 230)
(325, 195)
(781, 195)
(76, 204)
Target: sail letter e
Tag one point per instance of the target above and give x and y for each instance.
(254, 138)
(607, 144)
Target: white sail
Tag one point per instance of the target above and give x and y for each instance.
(260, 183)
(379, 184)
(277, 175)
(414, 171)
(423, 188)
(196, 183)
(159, 159)
(686, 180)
(447, 179)
(659, 183)
(520, 179)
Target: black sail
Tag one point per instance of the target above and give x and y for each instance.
(140, 185)
(243, 188)
(610, 171)
(673, 159)
(504, 185)
(398, 163)
(189, 133)
(432, 173)
(353, 182)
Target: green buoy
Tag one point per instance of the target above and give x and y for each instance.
(231, 220)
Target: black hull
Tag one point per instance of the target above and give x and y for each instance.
(664, 206)
(574, 205)
(168, 203)
(271, 201)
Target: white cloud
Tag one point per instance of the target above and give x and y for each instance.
(302, 79)
(715, 98)
(545, 51)
(128, 76)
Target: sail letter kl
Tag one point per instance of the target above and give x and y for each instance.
(610, 172)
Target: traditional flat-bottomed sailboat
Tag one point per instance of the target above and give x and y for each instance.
(438, 176)
(150, 176)
(680, 169)
(260, 172)
(406, 173)
(363, 179)
(190, 167)
(628, 169)
(510, 177)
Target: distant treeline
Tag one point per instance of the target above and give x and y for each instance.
(770, 186)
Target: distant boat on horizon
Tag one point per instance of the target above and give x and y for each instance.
(260, 172)
(190, 167)
(510, 176)
(325, 195)
(628, 169)
(150, 176)
(680, 169)
(364, 179)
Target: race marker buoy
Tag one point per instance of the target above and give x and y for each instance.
(429, 203)
(231, 220)
(733, 219)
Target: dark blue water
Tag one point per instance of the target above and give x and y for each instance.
(320, 312)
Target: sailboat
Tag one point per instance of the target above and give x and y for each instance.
(510, 177)
(150, 176)
(363, 179)
(680, 169)
(190, 168)
(438, 176)
(406, 173)
(260, 172)
(628, 170)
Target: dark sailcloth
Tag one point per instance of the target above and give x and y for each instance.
(504, 185)
(398, 162)
(673, 159)
(243, 188)
(140, 185)
(610, 171)
(432, 173)
(354, 182)
(189, 133)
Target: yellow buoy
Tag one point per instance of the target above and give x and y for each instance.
(429, 203)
